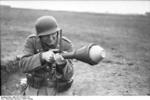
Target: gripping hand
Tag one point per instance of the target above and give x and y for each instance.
(59, 59)
(48, 56)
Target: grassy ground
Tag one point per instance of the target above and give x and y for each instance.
(126, 69)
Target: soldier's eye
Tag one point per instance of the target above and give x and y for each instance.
(53, 36)
(44, 37)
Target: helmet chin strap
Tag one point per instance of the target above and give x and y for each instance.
(59, 37)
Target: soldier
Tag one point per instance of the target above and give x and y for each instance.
(47, 72)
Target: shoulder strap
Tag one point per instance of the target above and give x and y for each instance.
(66, 39)
(31, 35)
(66, 44)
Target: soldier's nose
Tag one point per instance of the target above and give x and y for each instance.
(52, 38)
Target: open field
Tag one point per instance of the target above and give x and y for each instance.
(126, 39)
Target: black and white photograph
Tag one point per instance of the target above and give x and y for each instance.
(74, 48)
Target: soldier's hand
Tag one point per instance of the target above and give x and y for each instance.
(48, 56)
(59, 59)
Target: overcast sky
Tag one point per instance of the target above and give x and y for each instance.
(121, 7)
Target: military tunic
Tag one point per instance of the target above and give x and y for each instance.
(31, 60)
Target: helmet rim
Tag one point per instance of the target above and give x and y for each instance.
(48, 32)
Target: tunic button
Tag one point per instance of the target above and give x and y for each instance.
(29, 75)
(47, 79)
(47, 67)
(38, 50)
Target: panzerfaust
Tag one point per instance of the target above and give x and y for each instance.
(91, 54)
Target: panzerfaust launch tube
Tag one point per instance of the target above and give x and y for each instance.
(91, 54)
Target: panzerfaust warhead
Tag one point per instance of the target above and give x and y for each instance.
(91, 54)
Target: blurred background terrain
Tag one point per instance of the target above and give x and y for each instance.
(126, 39)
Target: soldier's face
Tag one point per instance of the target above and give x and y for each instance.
(50, 39)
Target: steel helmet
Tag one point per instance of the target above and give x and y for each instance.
(46, 25)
